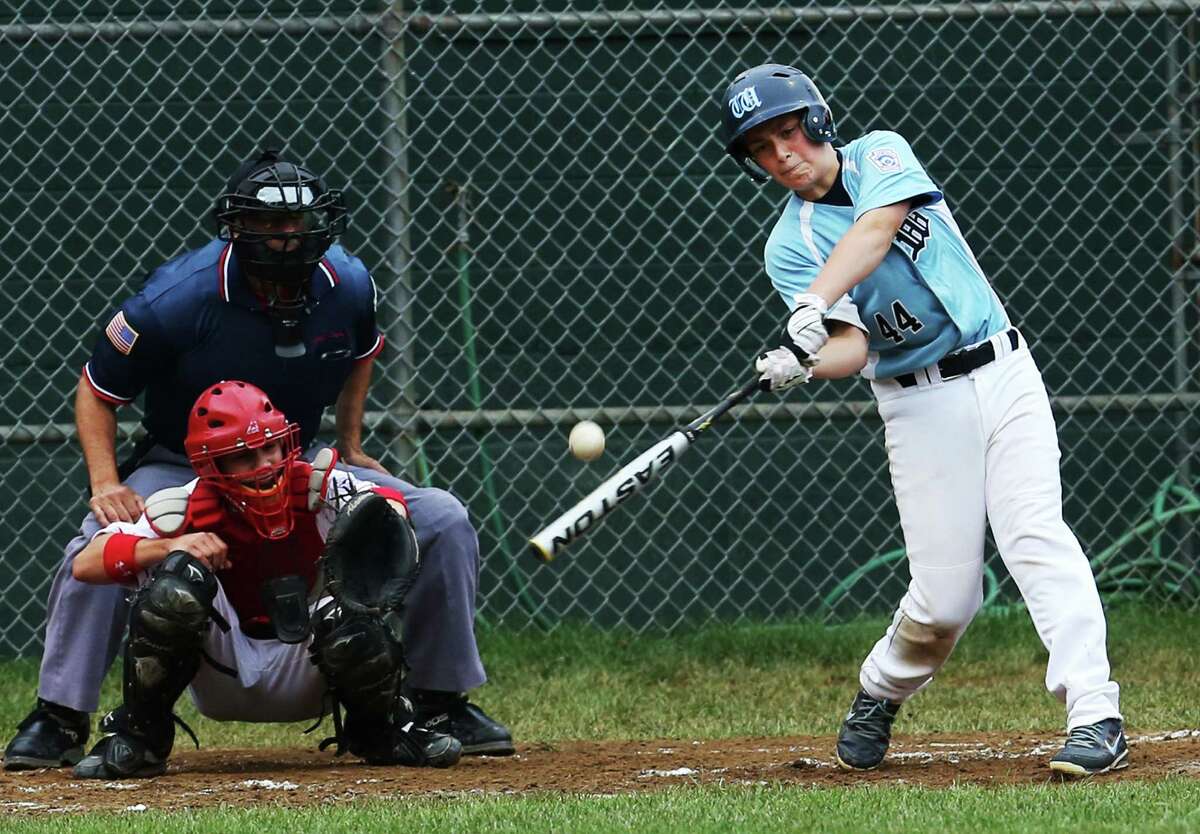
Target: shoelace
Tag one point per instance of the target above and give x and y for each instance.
(873, 721)
(1089, 735)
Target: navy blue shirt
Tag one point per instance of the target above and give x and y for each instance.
(197, 321)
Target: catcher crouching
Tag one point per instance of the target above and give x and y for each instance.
(271, 588)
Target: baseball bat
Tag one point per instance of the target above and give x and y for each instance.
(629, 480)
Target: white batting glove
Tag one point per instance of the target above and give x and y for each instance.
(804, 332)
(781, 370)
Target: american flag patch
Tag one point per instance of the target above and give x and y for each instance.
(121, 334)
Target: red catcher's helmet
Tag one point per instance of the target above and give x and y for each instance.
(231, 417)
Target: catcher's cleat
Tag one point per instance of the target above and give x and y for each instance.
(451, 712)
(50, 736)
(128, 753)
(1093, 748)
(419, 747)
(390, 742)
(121, 755)
(866, 732)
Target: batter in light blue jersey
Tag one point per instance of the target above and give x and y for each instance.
(928, 297)
(880, 281)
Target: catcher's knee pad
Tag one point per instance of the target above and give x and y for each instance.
(172, 611)
(359, 658)
(168, 622)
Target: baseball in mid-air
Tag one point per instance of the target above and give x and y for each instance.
(586, 441)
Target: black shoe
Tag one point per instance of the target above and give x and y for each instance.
(121, 756)
(866, 732)
(452, 713)
(50, 736)
(419, 747)
(1093, 748)
(128, 753)
(391, 741)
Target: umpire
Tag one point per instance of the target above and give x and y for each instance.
(273, 301)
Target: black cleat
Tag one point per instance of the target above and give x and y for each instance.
(452, 713)
(383, 741)
(121, 756)
(866, 733)
(50, 736)
(128, 753)
(1093, 748)
(419, 747)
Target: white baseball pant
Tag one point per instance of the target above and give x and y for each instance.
(975, 450)
(274, 681)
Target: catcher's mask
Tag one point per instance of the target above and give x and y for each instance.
(281, 219)
(227, 420)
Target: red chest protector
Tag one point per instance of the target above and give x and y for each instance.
(255, 559)
(258, 560)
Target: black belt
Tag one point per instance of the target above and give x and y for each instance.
(964, 361)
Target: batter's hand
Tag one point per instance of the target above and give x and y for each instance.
(207, 547)
(804, 331)
(116, 503)
(357, 457)
(781, 370)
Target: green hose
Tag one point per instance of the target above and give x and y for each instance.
(991, 583)
(511, 573)
(1113, 578)
(424, 474)
(1114, 575)
(425, 477)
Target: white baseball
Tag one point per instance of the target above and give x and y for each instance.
(586, 441)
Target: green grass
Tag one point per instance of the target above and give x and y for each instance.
(760, 680)
(733, 681)
(1170, 806)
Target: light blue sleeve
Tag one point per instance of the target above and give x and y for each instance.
(792, 273)
(789, 270)
(889, 173)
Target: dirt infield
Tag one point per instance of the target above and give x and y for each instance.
(297, 777)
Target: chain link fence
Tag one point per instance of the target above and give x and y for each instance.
(540, 195)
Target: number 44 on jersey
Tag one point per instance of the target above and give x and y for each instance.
(902, 321)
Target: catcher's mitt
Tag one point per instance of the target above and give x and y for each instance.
(371, 558)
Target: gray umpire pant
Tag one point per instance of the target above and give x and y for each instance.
(85, 623)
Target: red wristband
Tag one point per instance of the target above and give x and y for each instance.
(119, 563)
(390, 494)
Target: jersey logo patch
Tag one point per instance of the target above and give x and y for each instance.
(744, 102)
(914, 233)
(122, 336)
(886, 160)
